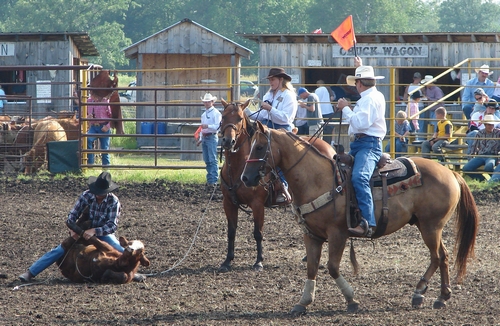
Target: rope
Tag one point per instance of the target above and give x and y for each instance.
(180, 261)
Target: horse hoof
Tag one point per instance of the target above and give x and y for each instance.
(258, 267)
(298, 310)
(353, 307)
(417, 300)
(224, 269)
(439, 304)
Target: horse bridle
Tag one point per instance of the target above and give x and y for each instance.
(235, 128)
(264, 159)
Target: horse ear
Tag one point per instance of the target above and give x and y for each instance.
(260, 126)
(244, 105)
(224, 103)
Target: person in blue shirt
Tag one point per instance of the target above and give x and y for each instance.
(3, 100)
(481, 80)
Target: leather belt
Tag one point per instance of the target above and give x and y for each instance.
(99, 124)
(208, 134)
(357, 136)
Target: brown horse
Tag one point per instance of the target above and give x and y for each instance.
(428, 206)
(237, 131)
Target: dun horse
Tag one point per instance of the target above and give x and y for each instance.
(428, 206)
(237, 131)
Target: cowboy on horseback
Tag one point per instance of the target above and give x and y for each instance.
(367, 128)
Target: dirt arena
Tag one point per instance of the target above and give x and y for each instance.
(166, 218)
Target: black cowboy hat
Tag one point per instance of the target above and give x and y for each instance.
(493, 103)
(102, 184)
(278, 72)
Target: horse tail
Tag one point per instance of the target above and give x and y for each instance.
(354, 261)
(466, 228)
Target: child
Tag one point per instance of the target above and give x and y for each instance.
(442, 134)
(401, 131)
(413, 109)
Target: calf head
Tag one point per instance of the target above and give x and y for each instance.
(133, 255)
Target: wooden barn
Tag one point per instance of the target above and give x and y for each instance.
(38, 69)
(184, 60)
(310, 57)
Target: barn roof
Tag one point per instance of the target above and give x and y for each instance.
(81, 39)
(133, 50)
(378, 38)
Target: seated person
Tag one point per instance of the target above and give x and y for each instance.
(481, 99)
(476, 123)
(412, 109)
(401, 131)
(442, 134)
(486, 146)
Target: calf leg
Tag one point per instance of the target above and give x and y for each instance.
(110, 276)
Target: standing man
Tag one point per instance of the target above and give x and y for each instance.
(325, 103)
(481, 80)
(100, 127)
(432, 94)
(366, 128)
(309, 102)
(3, 100)
(210, 122)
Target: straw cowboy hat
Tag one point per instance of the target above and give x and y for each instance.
(426, 79)
(485, 69)
(489, 119)
(208, 98)
(362, 72)
(278, 72)
(102, 184)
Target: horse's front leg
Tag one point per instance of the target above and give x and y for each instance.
(313, 252)
(231, 211)
(336, 246)
(258, 224)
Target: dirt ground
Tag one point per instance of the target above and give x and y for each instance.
(167, 216)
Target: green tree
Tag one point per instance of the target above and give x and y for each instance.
(468, 16)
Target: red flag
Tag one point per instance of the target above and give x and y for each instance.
(344, 34)
(318, 31)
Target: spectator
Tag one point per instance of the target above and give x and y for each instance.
(417, 78)
(442, 134)
(416, 124)
(496, 92)
(402, 130)
(308, 107)
(481, 99)
(326, 108)
(100, 127)
(104, 210)
(486, 146)
(210, 122)
(367, 127)
(455, 77)
(432, 95)
(481, 80)
(3, 100)
(496, 173)
(476, 123)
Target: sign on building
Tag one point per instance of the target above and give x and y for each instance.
(7, 49)
(410, 50)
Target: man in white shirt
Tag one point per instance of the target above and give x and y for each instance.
(326, 98)
(367, 128)
(210, 122)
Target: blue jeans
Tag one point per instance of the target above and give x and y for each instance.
(273, 125)
(400, 147)
(467, 108)
(436, 148)
(209, 147)
(475, 163)
(496, 175)
(367, 152)
(469, 140)
(104, 142)
(58, 252)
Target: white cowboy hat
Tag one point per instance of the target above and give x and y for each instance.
(489, 119)
(485, 69)
(362, 72)
(208, 98)
(426, 79)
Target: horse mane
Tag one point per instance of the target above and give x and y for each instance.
(306, 143)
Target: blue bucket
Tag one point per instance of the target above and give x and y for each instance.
(147, 128)
(161, 128)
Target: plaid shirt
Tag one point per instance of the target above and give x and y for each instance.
(487, 144)
(104, 216)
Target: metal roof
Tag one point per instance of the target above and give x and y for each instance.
(81, 39)
(131, 51)
(378, 38)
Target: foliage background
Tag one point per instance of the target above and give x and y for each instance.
(114, 25)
